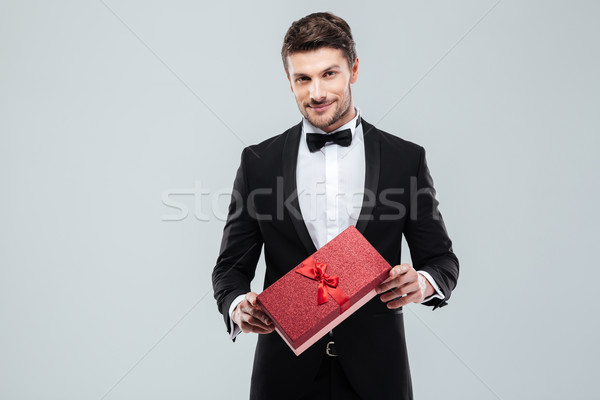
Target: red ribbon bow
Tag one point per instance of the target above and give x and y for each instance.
(316, 271)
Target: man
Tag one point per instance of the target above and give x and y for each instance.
(296, 191)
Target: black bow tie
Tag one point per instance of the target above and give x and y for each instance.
(317, 140)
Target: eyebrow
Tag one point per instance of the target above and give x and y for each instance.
(333, 66)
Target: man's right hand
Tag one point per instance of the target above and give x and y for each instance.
(249, 316)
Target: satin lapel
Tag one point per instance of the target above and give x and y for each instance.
(372, 163)
(290, 160)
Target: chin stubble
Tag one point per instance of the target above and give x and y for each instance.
(339, 114)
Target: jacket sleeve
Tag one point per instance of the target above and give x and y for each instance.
(240, 250)
(426, 235)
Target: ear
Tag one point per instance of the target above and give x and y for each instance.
(354, 72)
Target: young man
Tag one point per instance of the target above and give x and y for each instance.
(296, 191)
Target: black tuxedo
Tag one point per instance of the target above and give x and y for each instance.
(371, 342)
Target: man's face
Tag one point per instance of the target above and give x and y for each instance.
(320, 80)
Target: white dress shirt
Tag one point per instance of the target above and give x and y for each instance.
(330, 184)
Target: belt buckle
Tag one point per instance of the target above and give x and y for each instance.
(328, 350)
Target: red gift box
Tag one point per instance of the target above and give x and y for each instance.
(325, 289)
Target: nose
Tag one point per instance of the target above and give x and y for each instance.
(317, 91)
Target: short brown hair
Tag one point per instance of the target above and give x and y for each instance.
(317, 30)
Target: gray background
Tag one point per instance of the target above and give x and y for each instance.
(108, 107)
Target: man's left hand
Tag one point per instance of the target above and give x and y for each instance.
(404, 281)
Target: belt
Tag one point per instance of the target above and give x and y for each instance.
(331, 349)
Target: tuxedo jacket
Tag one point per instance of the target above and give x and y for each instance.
(264, 211)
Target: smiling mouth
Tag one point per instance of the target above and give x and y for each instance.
(320, 107)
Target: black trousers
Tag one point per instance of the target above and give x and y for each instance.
(330, 383)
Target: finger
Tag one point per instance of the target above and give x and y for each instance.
(246, 307)
(402, 269)
(267, 330)
(397, 271)
(391, 294)
(394, 272)
(396, 303)
(402, 301)
(256, 322)
(257, 315)
(399, 282)
(246, 325)
(251, 298)
(384, 287)
(249, 303)
(260, 315)
(263, 330)
(247, 328)
(394, 293)
(256, 329)
(406, 289)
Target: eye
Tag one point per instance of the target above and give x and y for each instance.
(330, 73)
(302, 79)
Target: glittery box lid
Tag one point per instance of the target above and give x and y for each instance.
(291, 302)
